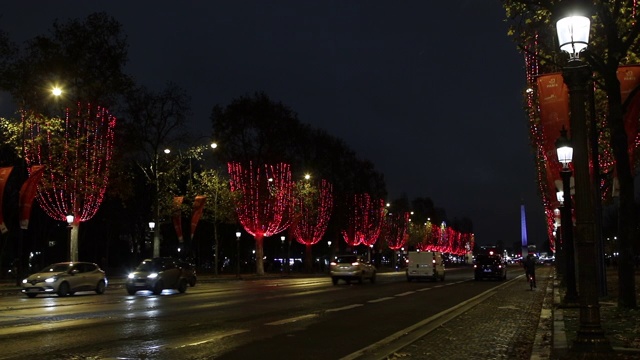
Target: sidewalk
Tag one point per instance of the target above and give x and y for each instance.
(517, 323)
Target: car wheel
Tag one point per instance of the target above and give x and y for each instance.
(334, 280)
(409, 279)
(131, 291)
(477, 278)
(442, 277)
(192, 282)
(182, 286)
(157, 289)
(373, 277)
(100, 287)
(360, 279)
(63, 289)
(32, 295)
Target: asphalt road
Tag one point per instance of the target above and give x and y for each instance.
(296, 318)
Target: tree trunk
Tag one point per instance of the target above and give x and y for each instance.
(627, 212)
(308, 259)
(259, 255)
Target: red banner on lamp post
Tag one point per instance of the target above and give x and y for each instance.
(177, 217)
(4, 175)
(198, 207)
(28, 193)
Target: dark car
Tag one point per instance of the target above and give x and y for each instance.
(188, 272)
(156, 275)
(491, 266)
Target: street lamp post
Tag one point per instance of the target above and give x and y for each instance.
(573, 36)
(282, 238)
(565, 156)
(70, 219)
(238, 233)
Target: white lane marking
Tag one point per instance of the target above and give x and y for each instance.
(406, 293)
(424, 289)
(294, 319)
(214, 338)
(379, 300)
(345, 307)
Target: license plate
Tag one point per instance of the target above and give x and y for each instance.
(32, 290)
(487, 270)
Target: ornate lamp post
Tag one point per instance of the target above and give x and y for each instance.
(573, 36)
(282, 238)
(565, 156)
(238, 234)
(70, 219)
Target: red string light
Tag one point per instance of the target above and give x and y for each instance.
(77, 160)
(365, 221)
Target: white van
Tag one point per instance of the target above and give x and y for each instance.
(425, 265)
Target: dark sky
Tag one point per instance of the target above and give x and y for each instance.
(429, 91)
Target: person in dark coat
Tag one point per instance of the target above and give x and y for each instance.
(530, 268)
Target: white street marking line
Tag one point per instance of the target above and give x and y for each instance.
(379, 300)
(345, 307)
(406, 293)
(214, 338)
(424, 289)
(290, 320)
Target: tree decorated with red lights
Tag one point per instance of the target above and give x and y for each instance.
(77, 153)
(312, 207)
(396, 231)
(262, 201)
(365, 221)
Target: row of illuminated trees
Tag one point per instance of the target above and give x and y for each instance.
(117, 179)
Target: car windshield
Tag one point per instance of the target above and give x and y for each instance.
(56, 268)
(346, 259)
(148, 266)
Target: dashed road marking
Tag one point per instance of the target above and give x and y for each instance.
(406, 293)
(345, 307)
(293, 319)
(380, 299)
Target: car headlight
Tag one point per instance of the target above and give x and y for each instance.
(152, 275)
(24, 281)
(130, 276)
(50, 280)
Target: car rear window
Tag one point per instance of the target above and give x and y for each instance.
(489, 260)
(346, 259)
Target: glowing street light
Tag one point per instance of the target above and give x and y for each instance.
(573, 37)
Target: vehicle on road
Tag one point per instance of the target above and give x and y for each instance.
(490, 265)
(427, 265)
(65, 278)
(351, 268)
(156, 275)
(188, 272)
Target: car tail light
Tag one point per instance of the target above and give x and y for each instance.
(354, 263)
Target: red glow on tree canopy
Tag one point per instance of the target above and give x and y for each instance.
(312, 212)
(396, 230)
(263, 201)
(77, 155)
(365, 221)
(445, 239)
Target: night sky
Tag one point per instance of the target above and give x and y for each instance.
(429, 91)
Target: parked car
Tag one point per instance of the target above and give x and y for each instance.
(65, 278)
(351, 267)
(490, 266)
(156, 275)
(425, 265)
(188, 272)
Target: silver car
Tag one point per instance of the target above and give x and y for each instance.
(351, 267)
(65, 279)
